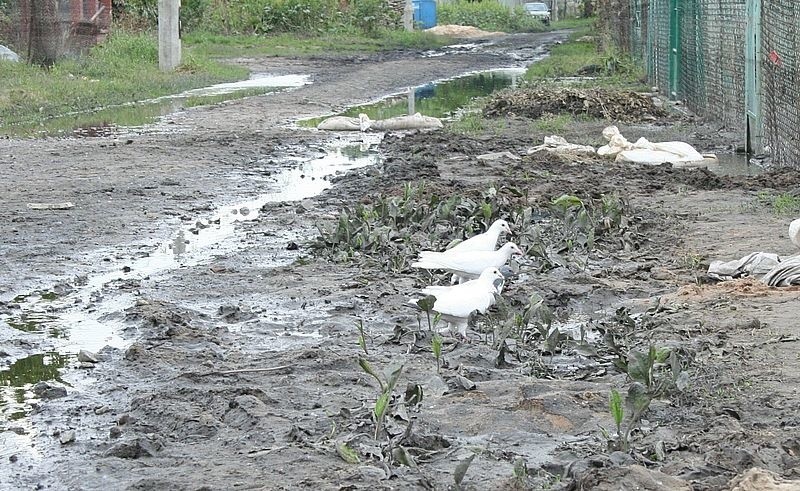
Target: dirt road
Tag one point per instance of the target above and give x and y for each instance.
(232, 349)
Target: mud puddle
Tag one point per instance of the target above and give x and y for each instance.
(88, 314)
(735, 165)
(131, 116)
(440, 99)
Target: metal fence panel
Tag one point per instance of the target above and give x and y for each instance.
(780, 41)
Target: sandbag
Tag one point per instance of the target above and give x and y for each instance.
(787, 273)
(644, 151)
(415, 122)
(340, 123)
(754, 264)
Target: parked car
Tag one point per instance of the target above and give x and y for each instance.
(539, 11)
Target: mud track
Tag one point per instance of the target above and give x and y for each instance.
(240, 370)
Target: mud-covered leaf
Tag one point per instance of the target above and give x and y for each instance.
(413, 395)
(368, 369)
(401, 456)
(682, 382)
(426, 303)
(347, 454)
(462, 468)
(392, 376)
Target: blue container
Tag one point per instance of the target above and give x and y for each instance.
(424, 13)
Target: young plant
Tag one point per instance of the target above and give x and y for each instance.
(618, 412)
(426, 305)
(387, 384)
(436, 346)
(362, 340)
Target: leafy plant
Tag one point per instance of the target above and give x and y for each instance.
(436, 347)
(387, 384)
(362, 341)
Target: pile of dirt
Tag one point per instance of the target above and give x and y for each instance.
(457, 31)
(615, 105)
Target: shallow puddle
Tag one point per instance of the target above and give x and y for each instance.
(735, 165)
(437, 99)
(17, 380)
(109, 120)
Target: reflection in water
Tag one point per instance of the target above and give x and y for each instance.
(440, 99)
(17, 380)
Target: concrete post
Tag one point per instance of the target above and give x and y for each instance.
(412, 101)
(408, 16)
(169, 41)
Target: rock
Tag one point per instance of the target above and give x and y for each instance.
(67, 437)
(101, 410)
(133, 449)
(13, 458)
(757, 479)
(292, 246)
(86, 365)
(87, 356)
(45, 390)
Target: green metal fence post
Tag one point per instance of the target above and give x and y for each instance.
(674, 48)
(752, 81)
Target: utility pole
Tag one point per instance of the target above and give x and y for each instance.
(169, 38)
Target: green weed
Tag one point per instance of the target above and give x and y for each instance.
(553, 124)
(489, 16)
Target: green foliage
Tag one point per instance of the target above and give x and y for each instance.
(122, 69)
(488, 15)
(306, 17)
(436, 347)
(553, 123)
(780, 204)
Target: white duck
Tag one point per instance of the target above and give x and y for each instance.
(456, 303)
(486, 241)
(794, 232)
(467, 265)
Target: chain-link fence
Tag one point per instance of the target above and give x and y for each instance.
(696, 51)
(780, 92)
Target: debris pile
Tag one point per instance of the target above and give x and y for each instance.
(617, 105)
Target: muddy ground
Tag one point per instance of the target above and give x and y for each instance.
(238, 367)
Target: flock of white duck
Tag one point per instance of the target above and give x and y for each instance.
(475, 265)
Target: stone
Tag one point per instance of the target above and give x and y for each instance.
(45, 390)
(67, 437)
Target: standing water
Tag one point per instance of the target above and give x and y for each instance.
(86, 314)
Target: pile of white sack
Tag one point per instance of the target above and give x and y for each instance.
(642, 151)
(647, 152)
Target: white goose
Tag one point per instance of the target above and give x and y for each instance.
(467, 265)
(456, 303)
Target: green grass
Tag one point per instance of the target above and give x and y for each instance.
(215, 45)
(586, 53)
(780, 204)
(489, 16)
(123, 69)
(553, 123)
(583, 23)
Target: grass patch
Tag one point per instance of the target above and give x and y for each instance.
(215, 45)
(586, 53)
(780, 204)
(553, 123)
(471, 123)
(489, 16)
(123, 69)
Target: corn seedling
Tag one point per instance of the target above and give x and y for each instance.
(362, 340)
(436, 346)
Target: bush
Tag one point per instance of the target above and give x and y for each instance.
(265, 16)
(488, 15)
